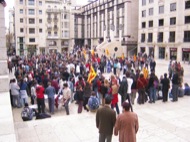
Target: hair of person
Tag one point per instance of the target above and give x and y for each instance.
(65, 85)
(26, 104)
(127, 74)
(141, 75)
(93, 93)
(108, 99)
(126, 106)
(165, 75)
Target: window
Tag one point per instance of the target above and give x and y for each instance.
(142, 37)
(187, 4)
(31, 39)
(31, 11)
(150, 24)
(161, 9)
(40, 20)
(21, 20)
(173, 7)
(144, 13)
(31, 21)
(21, 1)
(49, 33)
(143, 24)
(30, 2)
(173, 21)
(151, 11)
(66, 34)
(21, 11)
(161, 22)
(149, 37)
(55, 33)
(151, 1)
(143, 2)
(172, 37)
(187, 19)
(186, 36)
(160, 37)
(21, 30)
(31, 31)
(65, 16)
(40, 30)
(66, 25)
(40, 3)
(40, 12)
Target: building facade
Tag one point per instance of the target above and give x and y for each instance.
(41, 26)
(107, 20)
(164, 30)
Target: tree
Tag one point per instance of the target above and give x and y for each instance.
(9, 41)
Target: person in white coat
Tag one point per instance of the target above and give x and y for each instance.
(15, 93)
(130, 82)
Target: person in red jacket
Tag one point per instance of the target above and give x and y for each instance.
(40, 98)
(141, 86)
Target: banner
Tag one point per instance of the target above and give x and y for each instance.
(91, 75)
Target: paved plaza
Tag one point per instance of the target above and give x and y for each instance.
(159, 122)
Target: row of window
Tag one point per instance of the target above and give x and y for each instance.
(31, 11)
(161, 22)
(160, 38)
(30, 2)
(160, 10)
(31, 30)
(172, 5)
(30, 20)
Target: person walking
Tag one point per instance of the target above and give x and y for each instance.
(50, 91)
(105, 121)
(126, 125)
(165, 87)
(66, 97)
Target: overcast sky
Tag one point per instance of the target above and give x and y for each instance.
(10, 4)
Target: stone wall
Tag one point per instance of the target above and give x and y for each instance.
(7, 132)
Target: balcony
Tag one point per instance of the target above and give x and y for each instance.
(171, 39)
(54, 10)
(49, 20)
(55, 19)
(52, 37)
(128, 42)
(49, 28)
(55, 28)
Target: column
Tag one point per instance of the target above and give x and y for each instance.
(7, 132)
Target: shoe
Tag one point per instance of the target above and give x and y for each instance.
(150, 102)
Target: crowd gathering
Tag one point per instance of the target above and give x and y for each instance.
(60, 79)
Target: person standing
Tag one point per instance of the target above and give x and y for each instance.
(15, 93)
(123, 89)
(50, 91)
(40, 98)
(141, 85)
(126, 125)
(165, 87)
(105, 121)
(66, 97)
(175, 85)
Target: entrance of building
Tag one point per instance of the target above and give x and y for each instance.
(186, 54)
(161, 52)
(142, 50)
(173, 53)
(151, 51)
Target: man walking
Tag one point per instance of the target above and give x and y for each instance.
(40, 98)
(105, 121)
(50, 91)
(165, 87)
(175, 85)
(126, 125)
(66, 97)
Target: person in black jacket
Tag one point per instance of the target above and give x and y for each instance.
(80, 97)
(165, 87)
(175, 85)
(123, 89)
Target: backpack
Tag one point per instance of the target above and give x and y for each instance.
(94, 103)
(26, 114)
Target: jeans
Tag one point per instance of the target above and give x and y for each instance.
(80, 104)
(41, 105)
(105, 138)
(175, 92)
(51, 103)
(116, 106)
(66, 105)
(16, 101)
(152, 94)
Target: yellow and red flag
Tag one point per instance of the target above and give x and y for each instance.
(91, 75)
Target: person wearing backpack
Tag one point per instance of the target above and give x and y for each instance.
(93, 102)
(123, 89)
(27, 113)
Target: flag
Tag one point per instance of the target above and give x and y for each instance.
(3, 3)
(123, 57)
(91, 75)
(145, 73)
(107, 52)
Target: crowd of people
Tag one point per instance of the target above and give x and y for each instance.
(62, 79)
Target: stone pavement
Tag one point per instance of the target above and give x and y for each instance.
(159, 122)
